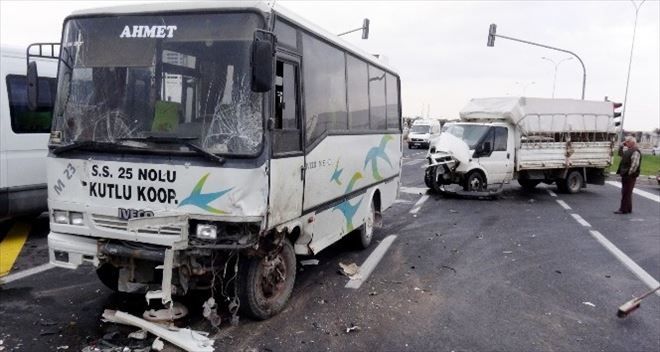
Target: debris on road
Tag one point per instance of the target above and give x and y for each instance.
(507, 252)
(453, 211)
(307, 262)
(65, 347)
(186, 339)
(174, 312)
(158, 344)
(353, 327)
(350, 270)
(449, 268)
(138, 335)
(589, 304)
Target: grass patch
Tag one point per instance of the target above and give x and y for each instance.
(650, 164)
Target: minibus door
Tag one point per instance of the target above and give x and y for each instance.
(287, 161)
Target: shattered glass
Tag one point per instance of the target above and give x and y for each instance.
(193, 87)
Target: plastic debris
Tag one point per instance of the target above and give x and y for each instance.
(138, 335)
(186, 339)
(174, 312)
(64, 347)
(307, 262)
(507, 252)
(353, 327)
(157, 345)
(589, 304)
(349, 270)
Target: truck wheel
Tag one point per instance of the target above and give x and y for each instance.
(265, 283)
(528, 184)
(109, 275)
(573, 182)
(474, 182)
(366, 233)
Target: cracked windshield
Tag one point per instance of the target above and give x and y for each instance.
(153, 81)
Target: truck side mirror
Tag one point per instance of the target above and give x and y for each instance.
(262, 65)
(32, 86)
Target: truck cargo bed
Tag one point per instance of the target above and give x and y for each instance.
(554, 155)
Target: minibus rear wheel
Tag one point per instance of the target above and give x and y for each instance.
(265, 283)
(366, 233)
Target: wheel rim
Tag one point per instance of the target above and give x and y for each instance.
(272, 281)
(574, 183)
(369, 224)
(475, 183)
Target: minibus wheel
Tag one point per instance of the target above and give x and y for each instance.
(266, 283)
(366, 233)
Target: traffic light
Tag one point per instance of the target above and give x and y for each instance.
(491, 35)
(365, 28)
(616, 114)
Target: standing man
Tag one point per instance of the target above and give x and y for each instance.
(631, 160)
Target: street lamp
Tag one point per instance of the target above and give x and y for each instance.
(554, 80)
(524, 86)
(632, 46)
(492, 33)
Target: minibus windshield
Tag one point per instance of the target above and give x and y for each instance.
(141, 78)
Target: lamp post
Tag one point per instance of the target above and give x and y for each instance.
(632, 46)
(524, 86)
(492, 34)
(364, 29)
(554, 79)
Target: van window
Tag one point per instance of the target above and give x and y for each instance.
(501, 134)
(22, 119)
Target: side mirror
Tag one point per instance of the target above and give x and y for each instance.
(262, 65)
(32, 86)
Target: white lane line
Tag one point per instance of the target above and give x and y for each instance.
(413, 190)
(401, 201)
(25, 273)
(563, 204)
(625, 260)
(370, 264)
(645, 194)
(552, 194)
(580, 220)
(413, 162)
(418, 205)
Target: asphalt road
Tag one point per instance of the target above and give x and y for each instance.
(518, 273)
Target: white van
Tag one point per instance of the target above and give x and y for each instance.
(422, 132)
(23, 135)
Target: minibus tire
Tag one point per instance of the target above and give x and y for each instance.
(253, 300)
(366, 233)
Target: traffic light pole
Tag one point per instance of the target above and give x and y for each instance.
(584, 70)
(632, 46)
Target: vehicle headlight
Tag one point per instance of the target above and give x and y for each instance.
(206, 231)
(76, 218)
(60, 217)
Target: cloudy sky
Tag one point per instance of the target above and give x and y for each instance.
(439, 47)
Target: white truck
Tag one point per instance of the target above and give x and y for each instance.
(23, 135)
(533, 140)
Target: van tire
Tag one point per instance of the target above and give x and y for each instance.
(475, 181)
(573, 182)
(257, 298)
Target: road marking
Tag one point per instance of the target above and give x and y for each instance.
(413, 162)
(645, 194)
(11, 246)
(580, 220)
(625, 260)
(25, 273)
(401, 201)
(563, 204)
(370, 264)
(413, 190)
(419, 203)
(552, 194)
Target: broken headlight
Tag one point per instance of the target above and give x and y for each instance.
(206, 232)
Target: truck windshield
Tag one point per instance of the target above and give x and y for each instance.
(420, 128)
(179, 77)
(470, 134)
